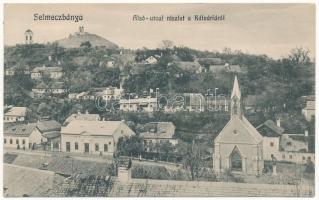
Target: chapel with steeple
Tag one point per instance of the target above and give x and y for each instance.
(239, 146)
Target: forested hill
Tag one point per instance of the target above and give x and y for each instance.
(277, 81)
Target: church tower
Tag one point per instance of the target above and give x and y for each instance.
(235, 99)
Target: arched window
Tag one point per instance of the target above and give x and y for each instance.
(235, 160)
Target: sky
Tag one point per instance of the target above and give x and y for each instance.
(271, 29)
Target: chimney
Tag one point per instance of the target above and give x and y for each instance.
(306, 133)
(79, 112)
(124, 171)
(278, 122)
(86, 112)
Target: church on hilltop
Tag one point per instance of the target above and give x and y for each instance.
(239, 146)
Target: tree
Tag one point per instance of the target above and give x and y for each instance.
(167, 44)
(192, 161)
(130, 146)
(299, 56)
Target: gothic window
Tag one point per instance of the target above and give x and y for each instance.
(236, 161)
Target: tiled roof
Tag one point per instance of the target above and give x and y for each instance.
(52, 134)
(19, 181)
(78, 127)
(16, 111)
(82, 116)
(80, 185)
(188, 66)
(270, 129)
(50, 125)
(23, 130)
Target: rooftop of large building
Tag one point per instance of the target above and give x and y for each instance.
(15, 111)
(105, 128)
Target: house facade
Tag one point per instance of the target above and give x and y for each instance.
(112, 93)
(15, 114)
(157, 132)
(93, 137)
(239, 146)
(22, 136)
(310, 110)
(271, 133)
(147, 104)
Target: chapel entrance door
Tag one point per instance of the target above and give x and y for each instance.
(236, 164)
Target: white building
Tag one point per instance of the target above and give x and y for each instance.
(93, 137)
(22, 136)
(158, 132)
(271, 138)
(15, 114)
(147, 104)
(151, 60)
(283, 146)
(309, 111)
(239, 146)
(52, 72)
(112, 93)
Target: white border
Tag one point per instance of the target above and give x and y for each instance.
(149, 1)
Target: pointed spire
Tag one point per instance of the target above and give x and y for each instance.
(236, 90)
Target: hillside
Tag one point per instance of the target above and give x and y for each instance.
(75, 40)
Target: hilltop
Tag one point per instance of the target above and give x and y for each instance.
(75, 40)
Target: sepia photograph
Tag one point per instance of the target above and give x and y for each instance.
(159, 100)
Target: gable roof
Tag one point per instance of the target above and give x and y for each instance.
(239, 130)
(23, 130)
(82, 116)
(102, 128)
(16, 111)
(188, 66)
(270, 129)
(49, 125)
